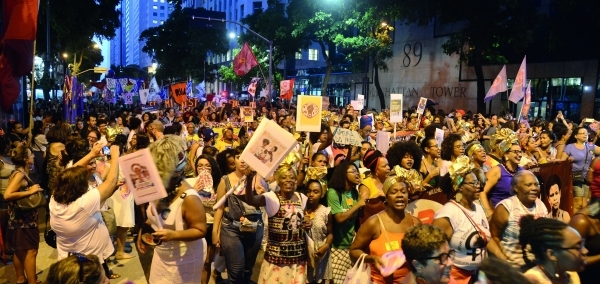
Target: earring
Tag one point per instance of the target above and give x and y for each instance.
(421, 280)
(556, 269)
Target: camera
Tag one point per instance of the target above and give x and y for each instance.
(106, 151)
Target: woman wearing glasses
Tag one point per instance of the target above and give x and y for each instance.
(344, 200)
(559, 250)
(463, 220)
(505, 224)
(386, 230)
(581, 154)
(181, 224)
(497, 187)
(428, 255)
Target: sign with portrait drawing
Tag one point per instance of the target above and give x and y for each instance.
(268, 146)
(142, 177)
(396, 107)
(308, 113)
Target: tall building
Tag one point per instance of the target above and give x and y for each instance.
(137, 16)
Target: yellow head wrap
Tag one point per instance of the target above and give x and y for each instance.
(474, 148)
(503, 139)
(317, 173)
(459, 169)
(111, 133)
(412, 176)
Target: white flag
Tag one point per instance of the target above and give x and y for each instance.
(518, 90)
(498, 86)
(526, 101)
(144, 95)
(201, 90)
(154, 88)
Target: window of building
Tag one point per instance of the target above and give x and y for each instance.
(155, 1)
(154, 7)
(313, 54)
(154, 21)
(162, 22)
(242, 11)
(162, 14)
(162, 1)
(299, 55)
(162, 7)
(154, 14)
(256, 6)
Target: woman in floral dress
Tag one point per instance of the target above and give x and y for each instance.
(285, 258)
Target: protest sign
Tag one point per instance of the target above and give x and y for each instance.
(325, 103)
(383, 141)
(267, 148)
(396, 101)
(308, 113)
(361, 102)
(421, 106)
(346, 137)
(142, 177)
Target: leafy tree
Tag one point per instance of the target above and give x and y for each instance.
(181, 50)
(227, 74)
(72, 31)
(274, 25)
(488, 29)
(320, 22)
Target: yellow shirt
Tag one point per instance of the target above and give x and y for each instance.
(374, 191)
(221, 145)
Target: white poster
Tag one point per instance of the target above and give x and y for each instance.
(269, 145)
(439, 136)
(361, 102)
(142, 176)
(396, 101)
(144, 95)
(383, 141)
(421, 106)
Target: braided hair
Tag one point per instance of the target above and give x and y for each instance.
(541, 234)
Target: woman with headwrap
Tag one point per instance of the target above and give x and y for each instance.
(371, 188)
(478, 156)
(378, 236)
(498, 186)
(464, 220)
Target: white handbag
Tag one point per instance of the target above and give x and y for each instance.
(360, 273)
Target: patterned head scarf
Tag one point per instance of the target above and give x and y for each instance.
(503, 139)
(111, 133)
(459, 169)
(411, 176)
(474, 148)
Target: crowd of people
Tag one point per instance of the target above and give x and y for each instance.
(327, 205)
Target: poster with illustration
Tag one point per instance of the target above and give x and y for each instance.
(248, 114)
(421, 106)
(308, 113)
(142, 177)
(557, 189)
(268, 146)
(396, 107)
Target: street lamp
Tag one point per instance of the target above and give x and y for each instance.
(231, 35)
(75, 65)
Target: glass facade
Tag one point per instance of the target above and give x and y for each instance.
(549, 95)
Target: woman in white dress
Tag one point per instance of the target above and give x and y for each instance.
(180, 226)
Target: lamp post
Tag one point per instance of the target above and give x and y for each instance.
(270, 83)
(75, 65)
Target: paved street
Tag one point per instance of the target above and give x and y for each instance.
(134, 270)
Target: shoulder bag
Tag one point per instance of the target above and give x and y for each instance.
(31, 202)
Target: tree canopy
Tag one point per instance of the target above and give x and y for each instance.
(180, 50)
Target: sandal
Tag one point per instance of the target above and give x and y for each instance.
(114, 276)
(37, 281)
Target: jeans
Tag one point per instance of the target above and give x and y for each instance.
(240, 250)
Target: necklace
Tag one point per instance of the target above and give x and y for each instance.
(511, 172)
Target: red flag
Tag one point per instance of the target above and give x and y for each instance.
(286, 89)
(244, 61)
(19, 29)
(178, 92)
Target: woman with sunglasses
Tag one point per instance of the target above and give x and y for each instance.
(463, 219)
(428, 255)
(386, 230)
(179, 252)
(499, 177)
(559, 250)
(77, 268)
(344, 200)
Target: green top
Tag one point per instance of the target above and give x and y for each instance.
(342, 233)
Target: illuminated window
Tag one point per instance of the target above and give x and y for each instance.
(298, 55)
(154, 7)
(313, 54)
(154, 21)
